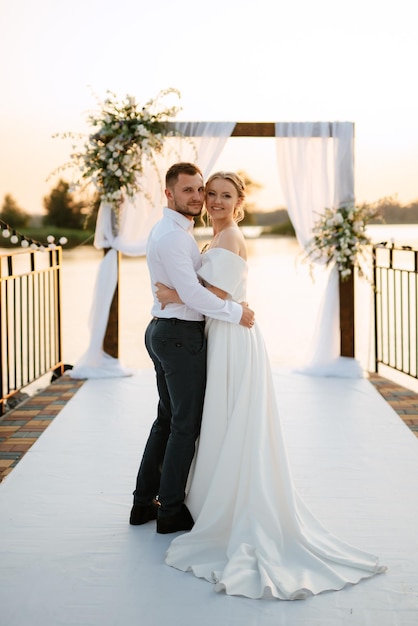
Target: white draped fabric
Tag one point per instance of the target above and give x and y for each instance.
(316, 170)
(254, 535)
(205, 142)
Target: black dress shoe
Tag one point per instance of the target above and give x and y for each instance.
(141, 514)
(179, 521)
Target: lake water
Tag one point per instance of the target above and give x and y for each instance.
(280, 291)
(279, 300)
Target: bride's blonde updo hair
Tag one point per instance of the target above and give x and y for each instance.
(239, 186)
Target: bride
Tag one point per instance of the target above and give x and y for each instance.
(253, 535)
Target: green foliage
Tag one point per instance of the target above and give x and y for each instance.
(393, 212)
(90, 211)
(284, 229)
(62, 210)
(248, 219)
(75, 237)
(124, 136)
(12, 214)
(339, 236)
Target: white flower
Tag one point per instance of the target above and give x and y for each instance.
(123, 136)
(339, 236)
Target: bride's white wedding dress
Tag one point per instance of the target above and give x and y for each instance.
(253, 535)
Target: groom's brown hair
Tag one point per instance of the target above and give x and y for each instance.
(180, 168)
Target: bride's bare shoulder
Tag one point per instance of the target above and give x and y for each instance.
(232, 239)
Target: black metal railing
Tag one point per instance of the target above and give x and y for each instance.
(30, 318)
(395, 271)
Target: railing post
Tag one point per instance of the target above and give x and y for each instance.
(1, 340)
(376, 344)
(30, 320)
(346, 292)
(111, 338)
(55, 262)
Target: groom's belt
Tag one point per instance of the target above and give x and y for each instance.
(176, 320)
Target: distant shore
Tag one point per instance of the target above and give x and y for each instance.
(399, 233)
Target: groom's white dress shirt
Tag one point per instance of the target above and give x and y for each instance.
(173, 259)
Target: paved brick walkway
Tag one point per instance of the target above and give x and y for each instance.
(21, 427)
(403, 401)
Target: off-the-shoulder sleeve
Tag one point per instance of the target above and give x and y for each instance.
(223, 269)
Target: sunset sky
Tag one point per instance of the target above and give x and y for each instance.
(231, 60)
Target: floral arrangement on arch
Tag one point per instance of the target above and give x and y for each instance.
(124, 136)
(340, 236)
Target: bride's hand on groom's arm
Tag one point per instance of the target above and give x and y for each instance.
(248, 316)
(165, 295)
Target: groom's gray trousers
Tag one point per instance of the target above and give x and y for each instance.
(178, 351)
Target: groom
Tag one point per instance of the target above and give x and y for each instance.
(176, 342)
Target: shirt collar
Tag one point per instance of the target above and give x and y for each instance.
(180, 219)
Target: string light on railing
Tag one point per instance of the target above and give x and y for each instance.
(51, 241)
(15, 237)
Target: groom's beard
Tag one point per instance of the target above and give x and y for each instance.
(191, 209)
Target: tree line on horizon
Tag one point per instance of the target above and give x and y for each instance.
(66, 209)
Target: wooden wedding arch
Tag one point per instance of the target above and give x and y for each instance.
(346, 288)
